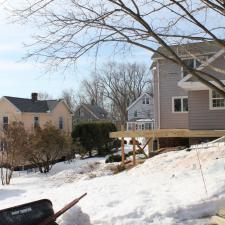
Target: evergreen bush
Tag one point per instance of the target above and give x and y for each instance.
(94, 136)
(113, 158)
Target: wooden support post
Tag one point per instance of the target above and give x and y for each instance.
(158, 144)
(134, 149)
(122, 146)
(149, 147)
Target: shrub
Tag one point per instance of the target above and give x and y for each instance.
(94, 135)
(47, 145)
(136, 152)
(113, 158)
(13, 148)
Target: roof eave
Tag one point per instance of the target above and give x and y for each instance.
(186, 56)
(134, 102)
(3, 97)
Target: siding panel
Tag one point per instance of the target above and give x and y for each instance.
(170, 74)
(200, 116)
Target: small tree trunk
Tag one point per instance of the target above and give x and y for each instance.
(40, 169)
(46, 168)
(2, 176)
(8, 177)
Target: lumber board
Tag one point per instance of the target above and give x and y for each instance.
(163, 133)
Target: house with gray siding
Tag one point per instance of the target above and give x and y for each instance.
(89, 112)
(141, 113)
(182, 102)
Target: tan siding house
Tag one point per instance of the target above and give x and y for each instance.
(33, 112)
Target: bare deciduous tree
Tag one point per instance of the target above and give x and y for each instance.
(72, 28)
(122, 84)
(115, 85)
(70, 97)
(14, 147)
(93, 90)
(44, 96)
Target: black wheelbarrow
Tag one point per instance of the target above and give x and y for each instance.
(34, 213)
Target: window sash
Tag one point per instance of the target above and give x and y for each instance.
(217, 101)
(146, 101)
(180, 104)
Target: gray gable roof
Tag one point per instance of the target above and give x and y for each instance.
(97, 110)
(27, 105)
(198, 48)
(139, 98)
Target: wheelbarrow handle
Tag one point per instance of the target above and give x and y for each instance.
(53, 218)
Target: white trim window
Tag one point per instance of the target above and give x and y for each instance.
(193, 64)
(180, 104)
(216, 100)
(146, 101)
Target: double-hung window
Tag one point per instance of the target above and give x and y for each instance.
(5, 122)
(145, 101)
(216, 100)
(180, 104)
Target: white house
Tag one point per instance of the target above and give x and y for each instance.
(141, 113)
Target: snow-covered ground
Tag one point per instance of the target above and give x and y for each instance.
(167, 190)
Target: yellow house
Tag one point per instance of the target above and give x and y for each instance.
(33, 112)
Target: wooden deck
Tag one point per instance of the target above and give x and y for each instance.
(163, 133)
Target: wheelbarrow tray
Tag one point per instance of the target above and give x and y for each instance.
(31, 213)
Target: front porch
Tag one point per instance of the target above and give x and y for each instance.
(141, 124)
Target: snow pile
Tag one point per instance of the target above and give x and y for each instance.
(167, 189)
(80, 169)
(74, 216)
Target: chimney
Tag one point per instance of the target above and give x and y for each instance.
(34, 97)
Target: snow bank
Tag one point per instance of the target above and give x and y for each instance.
(167, 189)
(74, 216)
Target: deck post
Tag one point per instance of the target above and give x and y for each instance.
(134, 149)
(122, 146)
(150, 147)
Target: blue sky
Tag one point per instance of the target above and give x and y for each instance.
(20, 78)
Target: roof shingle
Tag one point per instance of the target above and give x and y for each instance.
(27, 105)
(198, 48)
(97, 110)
